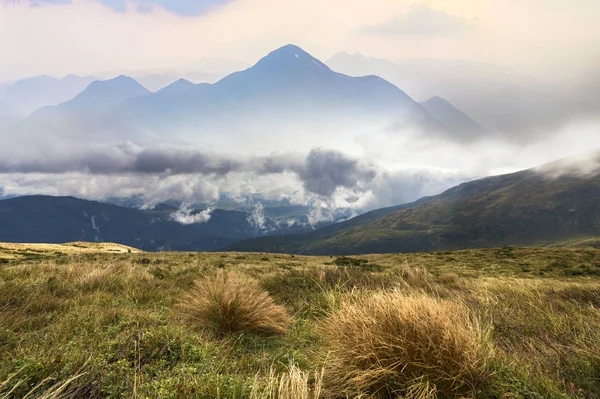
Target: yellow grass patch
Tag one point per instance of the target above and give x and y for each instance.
(18, 250)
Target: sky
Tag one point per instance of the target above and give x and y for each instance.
(549, 39)
(343, 168)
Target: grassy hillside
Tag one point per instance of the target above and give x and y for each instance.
(12, 251)
(557, 202)
(493, 323)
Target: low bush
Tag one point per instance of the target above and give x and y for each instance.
(227, 303)
(382, 344)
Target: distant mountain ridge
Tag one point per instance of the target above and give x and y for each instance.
(287, 90)
(84, 115)
(101, 95)
(499, 98)
(288, 86)
(27, 95)
(556, 202)
(178, 86)
(46, 219)
(452, 117)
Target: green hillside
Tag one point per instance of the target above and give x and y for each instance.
(556, 202)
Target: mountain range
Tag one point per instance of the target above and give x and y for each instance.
(498, 98)
(46, 219)
(555, 202)
(287, 90)
(27, 95)
(288, 87)
(82, 115)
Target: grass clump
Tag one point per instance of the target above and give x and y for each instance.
(346, 261)
(293, 384)
(228, 303)
(384, 344)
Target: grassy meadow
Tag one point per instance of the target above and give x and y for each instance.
(493, 323)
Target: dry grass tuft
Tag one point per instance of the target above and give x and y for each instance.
(228, 303)
(421, 389)
(56, 391)
(418, 278)
(294, 384)
(382, 344)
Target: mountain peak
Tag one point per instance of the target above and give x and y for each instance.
(109, 92)
(437, 100)
(121, 82)
(290, 56)
(178, 86)
(291, 50)
(290, 59)
(452, 117)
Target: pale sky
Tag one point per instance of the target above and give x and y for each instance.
(545, 38)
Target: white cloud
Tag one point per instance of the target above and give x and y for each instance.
(186, 215)
(257, 217)
(421, 21)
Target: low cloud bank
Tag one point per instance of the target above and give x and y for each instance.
(371, 170)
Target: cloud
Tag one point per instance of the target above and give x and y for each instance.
(421, 21)
(257, 217)
(322, 172)
(325, 171)
(180, 7)
(149, 190)
(186, 215)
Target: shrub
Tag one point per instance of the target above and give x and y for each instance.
(382, 344)
(345, 261)
(228, 303)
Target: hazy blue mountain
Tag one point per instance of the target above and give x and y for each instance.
(157, 81)
(206, 70)
(556, 202)
(104, 94)
(288, 86)
(452, 117)
(63, 219)
(85, 113)
(29, 94)
(7, 117)
(178, 86)
(496, 97)
(6, 110)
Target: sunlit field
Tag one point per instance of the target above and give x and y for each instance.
(498, 323)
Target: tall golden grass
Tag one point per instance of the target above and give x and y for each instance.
(294, 384)
(56, 391)
(228, 303)
(385, 342)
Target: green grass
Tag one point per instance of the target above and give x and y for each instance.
(112, 320)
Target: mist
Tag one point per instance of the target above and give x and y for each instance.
(365, 170)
